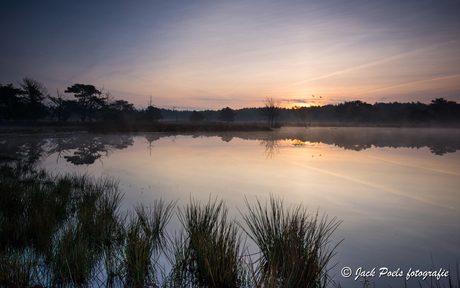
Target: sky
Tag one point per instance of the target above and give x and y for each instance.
(210, 54)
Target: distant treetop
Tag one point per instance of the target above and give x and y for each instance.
(196, 116)
(227, 115)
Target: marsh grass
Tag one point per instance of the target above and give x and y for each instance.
(92, 228)
(208, 252)
(74, 261)
(32, 207)
(18, 268)
(55, 226)
(294, 245)
(145, 238)
(68, 231)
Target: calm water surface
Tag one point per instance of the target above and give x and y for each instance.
(396, 190)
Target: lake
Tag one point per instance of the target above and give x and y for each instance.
(397, 190)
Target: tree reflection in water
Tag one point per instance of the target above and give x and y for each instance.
(84, 149)
(150, 139)
(88, 148)
(94, 148)
(272, 147)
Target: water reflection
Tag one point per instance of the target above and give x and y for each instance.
(397, 205)
(150, 139)
(297, 142)
(85, 149)
(439, 141)
(31, 149)
(78, 149)
(227, 138)
(272, 147)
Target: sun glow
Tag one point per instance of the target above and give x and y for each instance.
(297, 142)
(302, 105)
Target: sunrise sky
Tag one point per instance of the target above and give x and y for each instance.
(212, 54)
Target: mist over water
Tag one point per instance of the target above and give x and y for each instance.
(395, 189)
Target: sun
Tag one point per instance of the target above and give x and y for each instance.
(302, 105)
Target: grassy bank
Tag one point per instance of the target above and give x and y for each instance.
(68, 231)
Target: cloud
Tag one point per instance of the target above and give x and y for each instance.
(411, 83)
(299, 100)
(374, 63)
(208, 99)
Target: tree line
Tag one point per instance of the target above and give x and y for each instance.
(32, 102)
(439, 112)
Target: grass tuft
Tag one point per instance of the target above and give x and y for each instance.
(145, 238)
(208, 253)
(294, 245)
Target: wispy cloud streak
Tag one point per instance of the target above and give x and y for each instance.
(410, 83)
(374, 63)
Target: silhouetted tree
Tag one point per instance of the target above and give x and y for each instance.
(89, 98)
(60, 107)
(34, 93)
(209, 115)
(117, 110)
(174, 110)
(153, 113)
(227, 115)
(444, 111)
(416, 112)
(10, 102)
(301, 113)
(355, 111)
(122, 105)
(196, 116)
(271, 110)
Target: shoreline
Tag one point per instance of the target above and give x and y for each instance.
(15, 128)
(103, 127)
